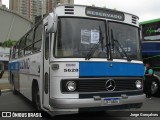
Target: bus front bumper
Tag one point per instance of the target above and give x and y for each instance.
(95, 102)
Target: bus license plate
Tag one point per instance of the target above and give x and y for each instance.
(111, 101)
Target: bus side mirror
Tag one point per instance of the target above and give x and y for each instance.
(52, 23)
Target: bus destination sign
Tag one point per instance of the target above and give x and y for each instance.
(115, 15)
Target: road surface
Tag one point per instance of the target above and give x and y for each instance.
(10, 102)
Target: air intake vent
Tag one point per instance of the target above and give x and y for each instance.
(69, 9)
(134, 20)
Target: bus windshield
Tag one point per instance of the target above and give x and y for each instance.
(127, 38)
(76, 37)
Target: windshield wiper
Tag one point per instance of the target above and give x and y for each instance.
(118, 45)
(95, 47)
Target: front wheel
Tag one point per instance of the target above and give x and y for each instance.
(155, 87)
(37, 100)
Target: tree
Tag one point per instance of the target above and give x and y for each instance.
(9, 43)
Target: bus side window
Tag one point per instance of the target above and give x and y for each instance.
(13, 52)
(21, 47)
(16, 50)
(29, 43)
(37, 38)
(46, 46)
(10, 54)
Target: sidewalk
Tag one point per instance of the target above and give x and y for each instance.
(4, 83)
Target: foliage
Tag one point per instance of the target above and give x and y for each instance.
(9, 43)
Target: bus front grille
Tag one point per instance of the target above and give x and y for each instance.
(98, 85)
(101, 84)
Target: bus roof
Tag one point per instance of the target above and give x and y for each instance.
(150, 21)
(96, 7)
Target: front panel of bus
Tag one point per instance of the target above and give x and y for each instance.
(96, 62)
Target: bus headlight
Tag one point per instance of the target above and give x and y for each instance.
(138, 84)
(71, 86)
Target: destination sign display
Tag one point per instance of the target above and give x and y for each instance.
(109, 14)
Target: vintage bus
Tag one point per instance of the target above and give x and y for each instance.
(151, 50)
(80, 58)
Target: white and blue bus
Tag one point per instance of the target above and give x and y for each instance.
(80, 58)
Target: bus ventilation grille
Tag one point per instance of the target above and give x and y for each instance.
(134, 20)
(69, 9)
(98, 85)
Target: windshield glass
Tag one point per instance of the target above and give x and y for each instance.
(127, 38)
(76, 37)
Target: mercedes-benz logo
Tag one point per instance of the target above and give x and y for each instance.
(110, 85)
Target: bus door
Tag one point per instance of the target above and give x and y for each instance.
(46, 69)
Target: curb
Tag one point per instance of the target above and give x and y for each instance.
(6, 90)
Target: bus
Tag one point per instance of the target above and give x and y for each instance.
(151, 50)
(80, 58)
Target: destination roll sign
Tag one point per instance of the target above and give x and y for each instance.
(95, 12)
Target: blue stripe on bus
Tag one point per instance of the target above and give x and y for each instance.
(150, 49)
(110, 69)
(150, 53)
(14, 66)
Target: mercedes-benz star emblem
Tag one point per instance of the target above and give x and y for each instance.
(110, 85)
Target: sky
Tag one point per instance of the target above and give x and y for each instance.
(144, 9)
(6, 2)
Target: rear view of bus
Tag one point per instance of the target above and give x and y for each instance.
(90, 60)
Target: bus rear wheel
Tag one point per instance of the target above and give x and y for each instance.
(15, 92)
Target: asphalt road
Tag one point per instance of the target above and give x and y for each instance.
(10, 102)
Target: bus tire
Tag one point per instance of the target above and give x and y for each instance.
(37, 100)
(155, 87)
(14, 91)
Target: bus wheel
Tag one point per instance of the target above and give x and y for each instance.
(155, 87)
(15, 92)
(37, 100)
